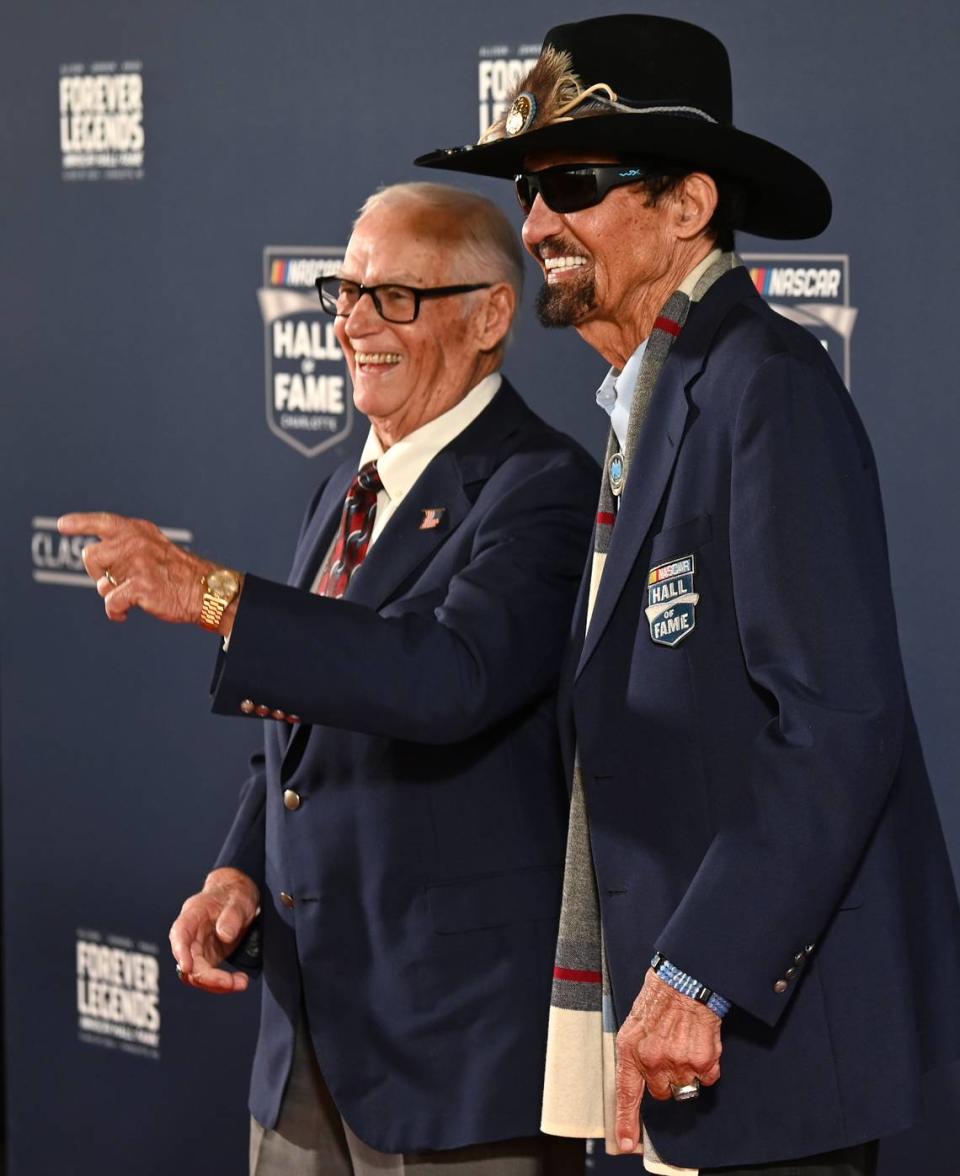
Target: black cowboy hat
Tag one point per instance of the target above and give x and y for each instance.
(646, 87)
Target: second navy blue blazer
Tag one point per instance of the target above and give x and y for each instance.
(423, 865)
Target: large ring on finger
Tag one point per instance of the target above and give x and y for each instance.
(107, 575)
(687, 1091)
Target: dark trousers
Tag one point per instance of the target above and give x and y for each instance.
(848, 1161)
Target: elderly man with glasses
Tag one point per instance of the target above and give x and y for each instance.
(754, 860)
(397, 857)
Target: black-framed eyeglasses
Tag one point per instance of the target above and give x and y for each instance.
(396, 304)
(575, 186)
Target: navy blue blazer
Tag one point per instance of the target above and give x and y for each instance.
(758, 803)
(424, 861)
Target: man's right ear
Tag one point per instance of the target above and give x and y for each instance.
(500, 305)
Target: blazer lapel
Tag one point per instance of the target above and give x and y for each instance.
(468, 461)
(650, 468)
(405, 542)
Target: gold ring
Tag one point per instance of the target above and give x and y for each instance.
(108, 576)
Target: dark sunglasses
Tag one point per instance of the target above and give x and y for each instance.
(572, 187)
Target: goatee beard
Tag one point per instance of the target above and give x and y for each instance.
(566, 304)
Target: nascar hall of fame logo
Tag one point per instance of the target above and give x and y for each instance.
(58, 559)
(813, 290)
(671, 600)
(309, 404)
(118, 993)
(101, 121)
(500, 68)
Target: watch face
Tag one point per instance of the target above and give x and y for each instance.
(223, 582)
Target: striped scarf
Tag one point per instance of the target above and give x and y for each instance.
(579, 1097)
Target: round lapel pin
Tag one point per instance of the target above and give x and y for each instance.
(617, 472)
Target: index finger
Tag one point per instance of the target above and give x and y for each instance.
(630, 1089)
(95, 522)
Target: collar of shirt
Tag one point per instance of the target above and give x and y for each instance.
(615, 394)
(403, 463)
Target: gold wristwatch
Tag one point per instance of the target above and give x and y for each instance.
(220, 588)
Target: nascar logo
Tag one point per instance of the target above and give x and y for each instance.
(798, 281)
(812, 290)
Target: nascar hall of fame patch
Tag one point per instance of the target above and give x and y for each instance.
(812, 289)
(499, 70)
(671, 601)
(101, 121)
(58, 559)
(118, 993)
(309, 403)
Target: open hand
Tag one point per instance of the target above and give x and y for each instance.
(209, 927)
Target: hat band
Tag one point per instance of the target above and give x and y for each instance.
(623, 105)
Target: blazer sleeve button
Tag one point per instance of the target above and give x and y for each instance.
(247, 706)
(780, 987)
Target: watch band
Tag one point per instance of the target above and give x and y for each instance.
(682, 982)
(212, 610)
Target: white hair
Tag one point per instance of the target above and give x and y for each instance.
(486, 249)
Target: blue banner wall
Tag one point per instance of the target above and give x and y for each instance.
(173, 178)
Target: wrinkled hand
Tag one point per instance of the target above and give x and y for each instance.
(147, 569)
(667, 1039)
(209, 927)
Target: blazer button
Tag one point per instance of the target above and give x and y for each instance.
(780, 986)
(247, 706)
(287, 899)
(291, 799)
(262, 711)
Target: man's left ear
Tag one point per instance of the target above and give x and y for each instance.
(494, 321)
(696, 204)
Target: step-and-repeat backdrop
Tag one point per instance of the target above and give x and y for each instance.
(173, 178)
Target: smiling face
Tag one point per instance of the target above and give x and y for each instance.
(594, 260)
(406, 374)
(608, 269)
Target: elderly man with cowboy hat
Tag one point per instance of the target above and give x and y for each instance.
(754, 860)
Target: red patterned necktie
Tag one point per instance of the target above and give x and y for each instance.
(356, 527)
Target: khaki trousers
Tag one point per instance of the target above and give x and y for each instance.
(311, 1139)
